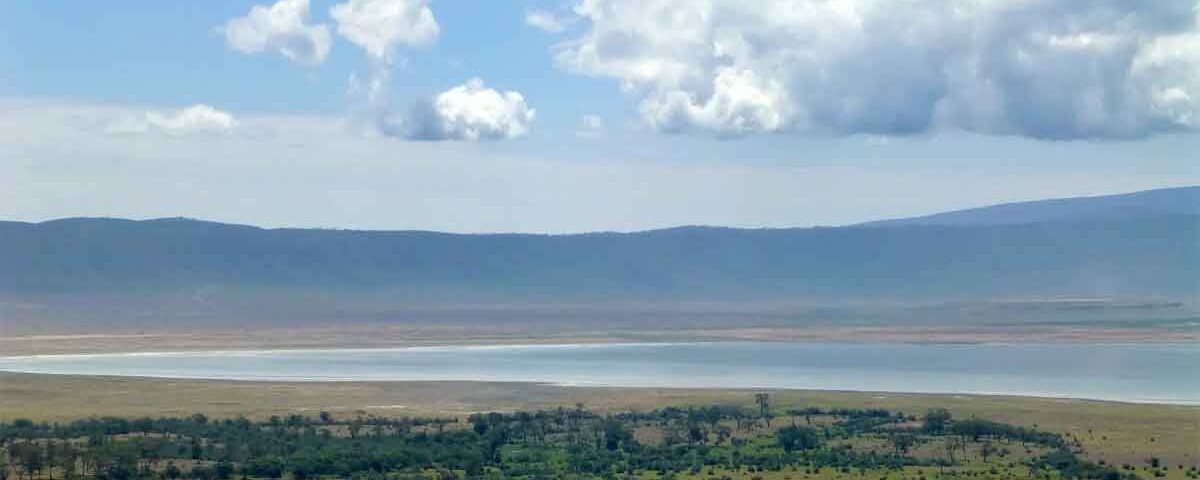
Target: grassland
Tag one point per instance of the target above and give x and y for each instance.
(1115, 432)
(707, 442)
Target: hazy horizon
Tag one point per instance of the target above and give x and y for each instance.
(909, 216)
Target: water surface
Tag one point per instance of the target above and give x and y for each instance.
(1165, 373)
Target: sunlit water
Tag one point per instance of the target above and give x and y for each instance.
(1166, 373)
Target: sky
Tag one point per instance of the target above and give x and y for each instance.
(588, 115)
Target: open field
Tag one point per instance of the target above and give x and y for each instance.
(1116, 432)
(703, 442)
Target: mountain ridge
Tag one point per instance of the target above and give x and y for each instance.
(88, 272)
(1145, 256)
(1163, 201)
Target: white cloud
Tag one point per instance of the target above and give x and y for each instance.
(545, 21)
(196, 119)
(281, 27)
(1046, 69)
(1170, 67)
(379, 26)
(741, 102)
(590, 126)
(472, 112)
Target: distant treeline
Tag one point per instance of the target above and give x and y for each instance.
(560, 443)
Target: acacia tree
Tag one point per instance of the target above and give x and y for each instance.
(66, 459)
(952, 445)
(51, 457)
(764, 403)
(986, 450)
(764, 407)
(172, 472)
(30, 456)
(936, 420)
(902, 442)
(793, 438)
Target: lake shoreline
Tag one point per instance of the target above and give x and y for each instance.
(877, 393)
(1044, 370)
(419, 335)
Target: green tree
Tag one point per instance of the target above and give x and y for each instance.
(615, 434)
(986, 450)
(172, 472)
(936, 420)
(203, 473)
(902, 442)
(30, 456)
(223, 470)
(763, 400)
(794, 438)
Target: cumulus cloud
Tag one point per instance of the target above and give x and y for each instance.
(471, 112)
(1046, 69)
(545, 21)
(281, 27)
(193, 120)
(379, 26)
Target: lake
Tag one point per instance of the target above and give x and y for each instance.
(1158, 373)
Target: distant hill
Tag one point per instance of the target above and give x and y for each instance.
(1136, 245)
(1167, 201)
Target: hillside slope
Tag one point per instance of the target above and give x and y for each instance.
(1156, 256)
(1166, 201)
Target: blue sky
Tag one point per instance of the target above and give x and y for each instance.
(167, 53)
(625, 115)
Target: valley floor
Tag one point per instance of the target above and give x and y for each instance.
(1115, 432)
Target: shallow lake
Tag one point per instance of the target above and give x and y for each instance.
(1166, 373)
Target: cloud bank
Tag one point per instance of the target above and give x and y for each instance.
(1045, 69)
(194, 120)
(308, 170)
(282, 27)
